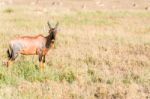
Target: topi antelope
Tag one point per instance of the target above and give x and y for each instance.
(36, 45)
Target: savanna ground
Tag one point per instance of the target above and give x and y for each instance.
(99, 54)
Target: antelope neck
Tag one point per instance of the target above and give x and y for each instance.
(48, 41)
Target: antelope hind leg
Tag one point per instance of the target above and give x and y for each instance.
(9, 62)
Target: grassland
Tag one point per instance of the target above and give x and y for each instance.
(98, 55)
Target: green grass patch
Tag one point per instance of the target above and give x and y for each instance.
(30, 72)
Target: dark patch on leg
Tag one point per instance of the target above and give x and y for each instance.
(9, 54)
(40, 58)
(44, 59)
(12, 56)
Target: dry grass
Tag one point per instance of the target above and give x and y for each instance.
(98, 54)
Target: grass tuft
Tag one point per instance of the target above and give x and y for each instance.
(8, 10)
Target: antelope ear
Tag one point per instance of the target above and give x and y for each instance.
(49, 25)
(56, 25)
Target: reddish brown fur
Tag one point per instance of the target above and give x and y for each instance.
(32, 44)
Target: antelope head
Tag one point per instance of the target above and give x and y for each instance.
(52, 32)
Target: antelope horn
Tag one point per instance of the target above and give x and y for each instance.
(56, 25)
(49, 25)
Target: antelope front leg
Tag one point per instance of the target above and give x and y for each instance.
(43, 60)
(41, 63)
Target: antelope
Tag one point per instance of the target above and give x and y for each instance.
(32, 45)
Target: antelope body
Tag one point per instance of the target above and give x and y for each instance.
(37, 45)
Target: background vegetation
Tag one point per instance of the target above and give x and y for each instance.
(98, 54)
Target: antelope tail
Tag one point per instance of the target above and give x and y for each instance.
(9, 53)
